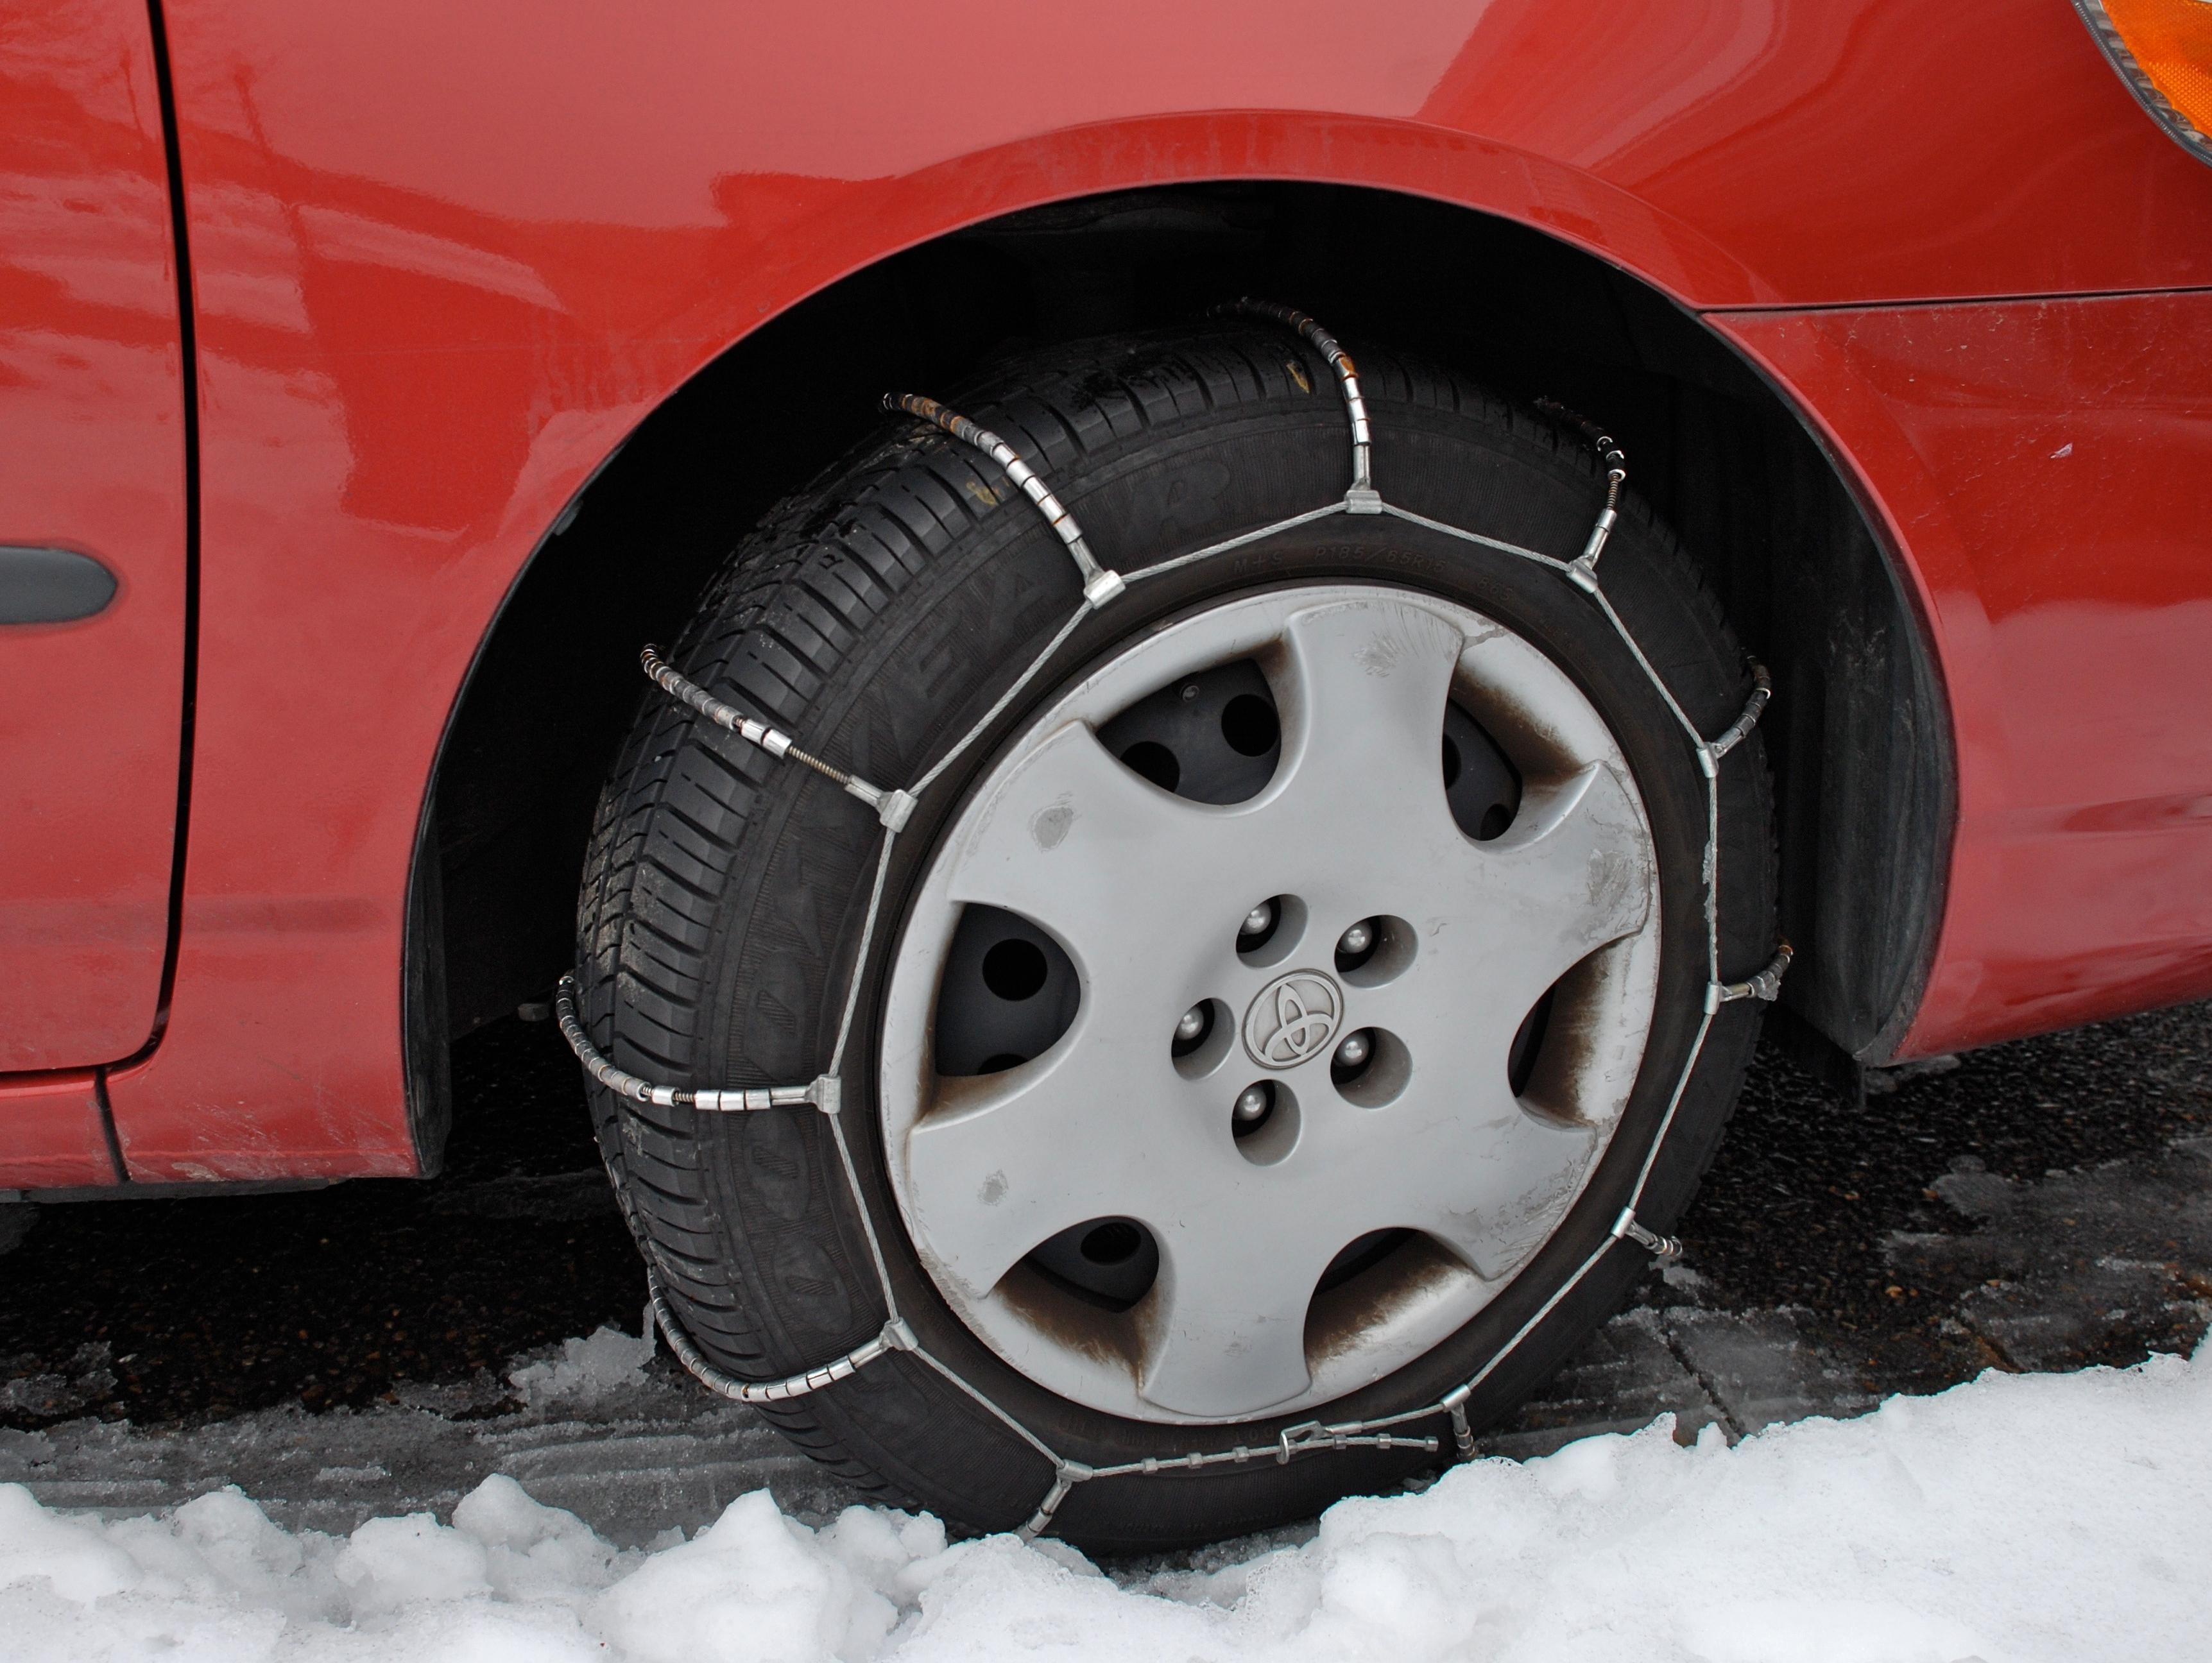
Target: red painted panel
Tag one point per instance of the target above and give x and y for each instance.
(50, 1133)
(2046, 464)
(447, 256)
(91, 458)
(1832, 150)
(1851, 150)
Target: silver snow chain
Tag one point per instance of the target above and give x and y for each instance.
(1585, 567)
(1767, 985)
(822, 1093)
(1362, 498)
(1099, 585)
(894, 807)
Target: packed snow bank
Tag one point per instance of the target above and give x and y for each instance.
(2060, 1517)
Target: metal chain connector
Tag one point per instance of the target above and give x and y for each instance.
(1064, 1476)
(1313, 1434)
(1658, 1246)
(894, 1336)
(1615, 462)
(822, 1093)
(1099, 585)
(1762, 689)
(1767, 985)
(895, 807)
(1454, 1404)
(1362, 498)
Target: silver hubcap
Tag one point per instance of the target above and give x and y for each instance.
(1295, 1017)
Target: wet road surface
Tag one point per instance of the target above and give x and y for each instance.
(2042, 1205)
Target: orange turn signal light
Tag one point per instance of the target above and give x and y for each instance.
(2163, 50)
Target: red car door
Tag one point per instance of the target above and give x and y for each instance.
(92, 534)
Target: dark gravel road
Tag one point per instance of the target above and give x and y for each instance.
(1843, 1213)
(2039, 1205)
(162, 1311)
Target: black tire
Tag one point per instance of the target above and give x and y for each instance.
(876, 618)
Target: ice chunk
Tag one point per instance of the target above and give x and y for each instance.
(587, 1370)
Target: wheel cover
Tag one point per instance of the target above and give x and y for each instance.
(1144, 890)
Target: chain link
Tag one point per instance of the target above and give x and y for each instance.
(894, 807)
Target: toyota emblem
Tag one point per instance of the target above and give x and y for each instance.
(1293, 1018)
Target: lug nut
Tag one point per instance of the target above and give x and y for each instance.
(1356, 940)
(1192, 1023)
(1253, 1104)
(1259, 921)
(1353, 1051)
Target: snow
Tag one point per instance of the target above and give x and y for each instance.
(587, 1371)
(2016, 1518)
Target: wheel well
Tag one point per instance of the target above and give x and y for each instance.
(1858, 736)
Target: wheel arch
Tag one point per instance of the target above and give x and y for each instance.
(1860, 735)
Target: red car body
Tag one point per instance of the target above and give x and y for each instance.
(431, 266)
